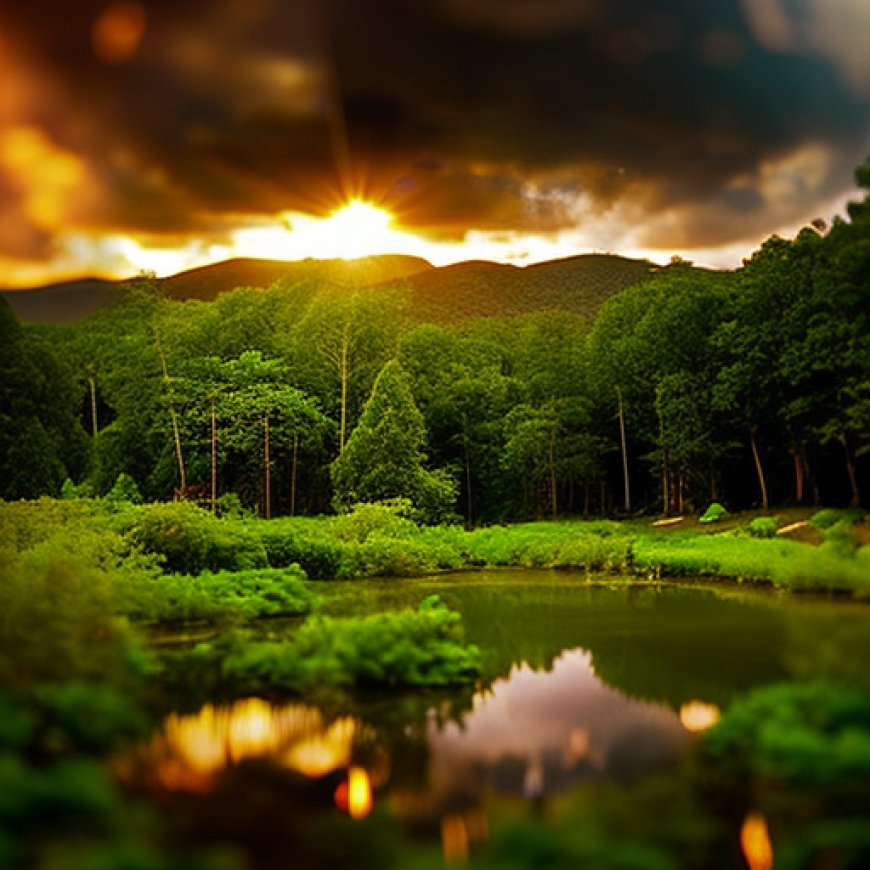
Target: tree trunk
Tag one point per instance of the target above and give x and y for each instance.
(293, 462)
(343, 377)
(586, 499)
(267, 471)
(680, 493)
(93, 390)
(714, 489)
(469, 520)
(173, 417)
(213, 459)
(624, 450)
(758, 468)
(855, 495)
(666, 507)
(798, 475)
(552, 463)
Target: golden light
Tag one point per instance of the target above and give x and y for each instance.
(698, 716)
(755, 842)
(359, 793)
(117, 31)
(324, 751)
(454, 839)
(47, 176)
(192, 749)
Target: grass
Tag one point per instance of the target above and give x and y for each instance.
(202, 565)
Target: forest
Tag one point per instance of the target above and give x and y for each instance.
(748, 388)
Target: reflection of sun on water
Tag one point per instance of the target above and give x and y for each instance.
(697, 716)
(192, 749)
(755, 842)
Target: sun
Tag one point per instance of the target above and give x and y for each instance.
(358, 229)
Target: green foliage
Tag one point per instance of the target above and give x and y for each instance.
(713, 513)
(229, 505)
(805, 735)
(191, 540)
(57, 620)
(309, 544)
(124, 490)
(226, 595)
(387, 518)
(828, 517)
(384, 458)
(763, 527)
(404, 648)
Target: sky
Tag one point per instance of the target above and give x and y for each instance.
(161, 135)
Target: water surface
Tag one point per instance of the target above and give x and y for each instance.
(582, 683)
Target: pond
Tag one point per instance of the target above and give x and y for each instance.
(585, 685)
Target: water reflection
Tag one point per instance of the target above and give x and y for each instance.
(190, 750)
(698, 716)
(535, 733)
(755, 842)
(528, 735)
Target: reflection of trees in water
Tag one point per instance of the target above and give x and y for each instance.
(650, 643)
(828, 642)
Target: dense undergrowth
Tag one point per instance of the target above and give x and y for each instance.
(171, 544)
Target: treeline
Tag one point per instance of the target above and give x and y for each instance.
(750, 387)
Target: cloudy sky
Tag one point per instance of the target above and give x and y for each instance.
(165, 134)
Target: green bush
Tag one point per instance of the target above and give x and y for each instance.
(306, 543)
(713, 514)
(191, 540)
(763, 527)
(57, 620)
(420, 647)
(389, 519)
(124, 490)
(825, 518)
(252, 594)
(806, 735)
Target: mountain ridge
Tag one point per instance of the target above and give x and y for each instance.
(438, 294)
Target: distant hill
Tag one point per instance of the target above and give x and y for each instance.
(207, 282)
(63, 302)
(68, 301)
(483, 289)
(446, 294)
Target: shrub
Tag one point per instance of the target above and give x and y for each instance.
(387, 518)
(807, 735)
(124, 490)
(763, 527)
(828, 517)
(191, 540)
(252, 594)
(308, 544)
(713, 514)
(58, 620)
(420, 647)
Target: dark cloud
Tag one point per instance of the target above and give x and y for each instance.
(485, 114)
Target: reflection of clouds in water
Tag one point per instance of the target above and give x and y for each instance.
(534, 732)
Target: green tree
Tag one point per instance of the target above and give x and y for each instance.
(41, 440)
(384, 457)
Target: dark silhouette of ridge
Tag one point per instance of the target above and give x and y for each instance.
(446, 294)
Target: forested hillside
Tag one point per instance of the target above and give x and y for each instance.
(751, 388)
(437, 295)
